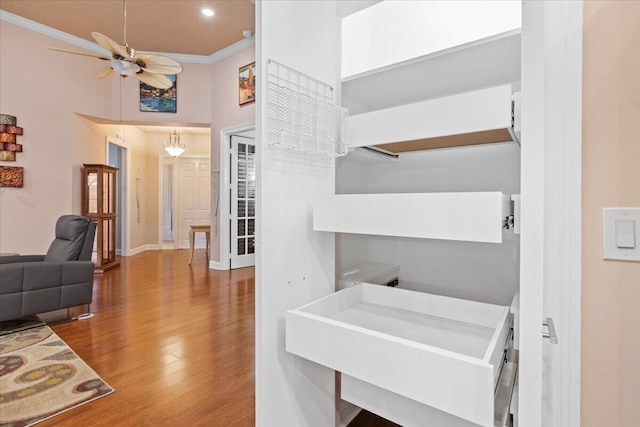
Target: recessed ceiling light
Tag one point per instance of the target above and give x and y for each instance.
(207, 12)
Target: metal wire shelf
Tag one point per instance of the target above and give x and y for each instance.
(302, 115)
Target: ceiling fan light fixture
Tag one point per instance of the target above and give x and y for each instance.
(124, 68)
(207, 12)
(174, 147)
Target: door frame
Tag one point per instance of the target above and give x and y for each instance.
(176, 192)
(551, 188)
(224, 234)
(124, 187)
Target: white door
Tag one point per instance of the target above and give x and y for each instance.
(549, 379)
(243, 201)
(194, 196)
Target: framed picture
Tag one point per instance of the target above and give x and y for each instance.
(159, 100)
(247, 81)
(11, 176)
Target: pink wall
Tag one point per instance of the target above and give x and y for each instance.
(611, 178)
(46, 89)
(226, 112)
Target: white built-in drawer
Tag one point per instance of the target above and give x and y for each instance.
(438, 351)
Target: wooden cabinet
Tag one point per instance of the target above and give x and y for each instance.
(99, 204)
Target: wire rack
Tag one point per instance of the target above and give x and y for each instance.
(302, 115)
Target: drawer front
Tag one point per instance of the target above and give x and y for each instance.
(409, 413)
(449, 382)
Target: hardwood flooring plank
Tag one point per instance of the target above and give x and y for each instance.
(175, 341)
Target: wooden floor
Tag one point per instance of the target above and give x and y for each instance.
(175, 340)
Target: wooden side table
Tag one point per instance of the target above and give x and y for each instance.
(198, 229)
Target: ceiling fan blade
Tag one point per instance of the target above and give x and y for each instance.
(93, 55)
(110, 45)
(157, 64)
(156, 80)
(105, 73)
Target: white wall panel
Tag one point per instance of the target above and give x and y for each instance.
(294, 265)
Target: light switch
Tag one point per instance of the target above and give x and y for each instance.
(626, 234)
(620, 239)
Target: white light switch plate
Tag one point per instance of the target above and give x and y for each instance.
(621, 234)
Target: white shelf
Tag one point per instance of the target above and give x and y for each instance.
(442, 352)
(480, 64)
(474, 216)
(465, 113)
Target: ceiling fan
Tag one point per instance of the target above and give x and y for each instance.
(148, 68)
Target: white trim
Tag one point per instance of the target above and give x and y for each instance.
(143, 248)
(224, 183)
(214, 265)
(51, 32)
(551, 187)
(94, 47)
(126, 174)
(570, 304)
(231, 49)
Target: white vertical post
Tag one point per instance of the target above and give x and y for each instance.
(294, 264)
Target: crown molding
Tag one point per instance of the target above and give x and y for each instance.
(94, 47)
(51, 32)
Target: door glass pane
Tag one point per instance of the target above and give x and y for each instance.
(241, 245)
(251, 204)
(251, 243)
(251, 171)
(92, 183)
(242, 148)
(241, 227)
(242, 189)
(242, 212)
(251, 155)
(251, 227)
(242, 170)
(252, 189)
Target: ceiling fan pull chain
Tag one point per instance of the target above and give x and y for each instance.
(124, 31)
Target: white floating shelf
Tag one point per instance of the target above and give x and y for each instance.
(438, 351)
(465, 113)
(472, 216)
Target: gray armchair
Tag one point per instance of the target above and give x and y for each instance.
(62, 278)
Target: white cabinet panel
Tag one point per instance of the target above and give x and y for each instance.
(474, 217)
(476, 111)
(442, 352)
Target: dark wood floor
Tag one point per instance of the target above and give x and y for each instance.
(175, 341)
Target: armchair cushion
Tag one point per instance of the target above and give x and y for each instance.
(71, 231)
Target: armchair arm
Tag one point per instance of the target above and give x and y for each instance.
(21, 258)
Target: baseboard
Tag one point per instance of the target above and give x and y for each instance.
(215, 265)
(143, 248)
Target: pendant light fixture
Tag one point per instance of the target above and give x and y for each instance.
(173, 146)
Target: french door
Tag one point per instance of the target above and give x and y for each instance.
(243, 201)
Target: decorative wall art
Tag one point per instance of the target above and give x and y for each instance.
(247, 80)
(11, 176)
(9, 132)
(159, 100)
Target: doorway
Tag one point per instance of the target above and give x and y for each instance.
(117, 156)
(184, 199)
(236, 215)
(243, 201)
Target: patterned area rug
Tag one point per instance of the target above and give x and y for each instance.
(40, 377)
